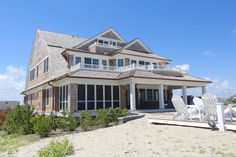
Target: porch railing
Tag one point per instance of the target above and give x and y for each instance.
(127, 68)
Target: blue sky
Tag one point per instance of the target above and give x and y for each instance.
(201, 34)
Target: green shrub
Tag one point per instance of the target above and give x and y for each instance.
(68, 122)
(56, 149)
(86, 120)
(53, 121)
(19, 120)
(113, 115)
(42, 125)
(102, 117)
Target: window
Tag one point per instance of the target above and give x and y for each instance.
(95, 63)
(155, 95)
(147, 63)
(141, 62)
(63, 98)
(46, 96)
(149, 94)
(116, 96)
(90, 97)
(81, 97)
(142, 94)
(154, 65)
(120, 63)
(105, 42)
(100, 41)
(107, 96)
(133, 62)
(77, 60)
(32, 75)
(99, 96)
(46, 65)
(37, 71)
(87, 61)
(113, 43)
(104, 64)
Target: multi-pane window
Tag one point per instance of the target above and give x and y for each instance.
(63, 97)
(46, 96)
(90, 97)
(87, 62)
(154, 65)
(107, 96)
(77, 60)
(147, 63)
(120, 62)
(133, 62)
(99, 96)
(106, 42)
(142, 94)
(149, 94)
(37, 71)
(81, 97)
(116, 97)
(104, 64)
(32, 75)
(46, 65)
(141, 62)
(155, 95)
(95, 63)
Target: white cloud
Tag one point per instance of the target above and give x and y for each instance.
(208, 53)
(221, 88)
(12, 83)
(184, 67)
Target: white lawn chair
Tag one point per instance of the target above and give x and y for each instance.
(186, 111)
(210, 101)
(198, 102)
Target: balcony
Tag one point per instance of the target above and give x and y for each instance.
(128, 68)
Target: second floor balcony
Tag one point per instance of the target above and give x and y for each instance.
(128, 68)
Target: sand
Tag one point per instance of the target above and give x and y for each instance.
(139, 138)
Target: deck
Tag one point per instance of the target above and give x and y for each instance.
(166, 119)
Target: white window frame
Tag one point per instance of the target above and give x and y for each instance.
(117, 62)
(47, 69)
(47, 97)
(65, 102)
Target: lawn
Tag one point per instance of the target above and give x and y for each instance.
(9, 143)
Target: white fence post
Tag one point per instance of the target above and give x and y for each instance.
(220, 117)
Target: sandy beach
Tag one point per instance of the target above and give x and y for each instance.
(139, 138)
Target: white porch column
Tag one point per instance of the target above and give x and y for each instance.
(132, 96)
(161, 97)
(184, 94)
(203, 90)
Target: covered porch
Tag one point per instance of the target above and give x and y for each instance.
(154, 95)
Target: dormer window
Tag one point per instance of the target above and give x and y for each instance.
(107, 42)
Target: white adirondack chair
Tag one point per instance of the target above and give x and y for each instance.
(186, 111)
(198, 102)
(210, 101)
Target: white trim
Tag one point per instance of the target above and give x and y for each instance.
(104, 104)
(86, 97)
(112, 103)
(95, 97)
(40, 62)
(117, 62)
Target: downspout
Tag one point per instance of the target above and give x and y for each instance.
(53, 102)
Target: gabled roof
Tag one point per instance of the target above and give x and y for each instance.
(140, 46)
(59, 39)
(109, 33)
